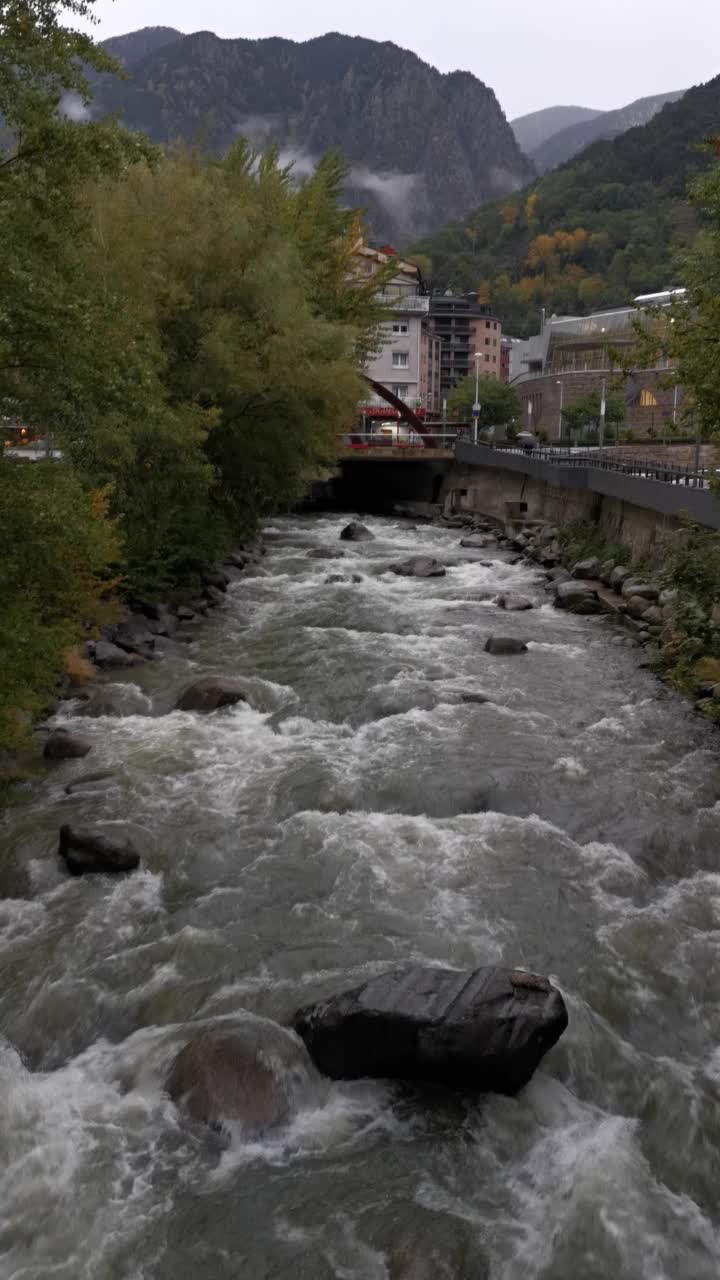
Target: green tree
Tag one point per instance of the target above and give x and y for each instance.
(499, 402)
(584, 413)
(689, 333)
(54, 581)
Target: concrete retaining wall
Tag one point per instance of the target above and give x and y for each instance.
(505, 485)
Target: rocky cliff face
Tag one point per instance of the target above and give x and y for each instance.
(423, 148)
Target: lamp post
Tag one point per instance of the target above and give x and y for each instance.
(603, 411)
(476, 406)
(675, 402)
(561, 385)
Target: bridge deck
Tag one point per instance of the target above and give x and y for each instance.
(393, 453)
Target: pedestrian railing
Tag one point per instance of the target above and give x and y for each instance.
(667, 472)
(436, 438)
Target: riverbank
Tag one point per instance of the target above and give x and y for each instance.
(669, 602)
(149, 631)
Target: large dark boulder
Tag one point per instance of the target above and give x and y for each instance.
(513, 603)
(215, 595)
(577, 597)
(356, 532)
(252, 1073)
(134, 635)
(216, 578)
(85, 850)
(61, 744)
(589, 568)
(485, 1029)
(476, 541)
(210, 693)
(107, 655)
(419, 567)
(501, 645)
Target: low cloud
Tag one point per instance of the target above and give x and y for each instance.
(503, 181)
(72, 107)
(398, 194)
(301, 163)
(258, 129)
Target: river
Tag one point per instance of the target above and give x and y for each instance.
(358, 815)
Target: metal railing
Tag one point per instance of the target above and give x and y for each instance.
(667, 472)
(404, 302)
(438, 437)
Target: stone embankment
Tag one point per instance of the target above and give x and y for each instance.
(651, 614)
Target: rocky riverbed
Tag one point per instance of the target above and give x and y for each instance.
(415, 772)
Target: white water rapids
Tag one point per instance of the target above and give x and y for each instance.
(358, 814)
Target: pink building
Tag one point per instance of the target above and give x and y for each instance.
(486, 340)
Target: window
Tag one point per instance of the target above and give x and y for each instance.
(647, 399)
(400, 326)
(487, 324)
(400, 389)
(494, 342)
(487, 355)
(401, 360)
(494, 324)
(487, 342)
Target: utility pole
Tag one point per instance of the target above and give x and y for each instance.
(476, 406)
(675, 400)
(603, 411)
(562, 392)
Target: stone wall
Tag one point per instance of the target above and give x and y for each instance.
(512, 487)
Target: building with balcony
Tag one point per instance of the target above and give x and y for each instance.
(465, 327)
(408, 359)
(573, 356)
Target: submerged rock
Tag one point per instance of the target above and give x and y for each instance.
(513, 603)
(64, 745)
(577, 597)
(478, 540)
(85, 851)
(480, 699)
(485, 1029)
(89, 780)
(418, 567)
(108, 655)
(134, 635)
(505, 645)
(211, 693)
(356, 532)
(253, 1073)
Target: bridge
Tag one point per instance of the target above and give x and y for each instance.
(633, 497)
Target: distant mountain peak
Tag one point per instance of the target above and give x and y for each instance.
(567, 142)
(535, 128)
(423, 147)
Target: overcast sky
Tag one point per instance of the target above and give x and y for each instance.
(533, 53)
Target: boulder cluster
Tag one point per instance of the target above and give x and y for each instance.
(599, 586)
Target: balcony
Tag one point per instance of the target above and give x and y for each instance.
(403, 302)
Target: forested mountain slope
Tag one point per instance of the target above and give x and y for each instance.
(606, 226)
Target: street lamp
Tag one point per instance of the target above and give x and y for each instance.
(561, 385)
(476, 406)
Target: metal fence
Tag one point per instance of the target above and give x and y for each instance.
(668, 472)
(436, 437)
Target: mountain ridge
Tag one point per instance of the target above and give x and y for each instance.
(611, 223)
(568, 142)
(536, 127)
(423, 146)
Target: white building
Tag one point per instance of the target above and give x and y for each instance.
(408, 361)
